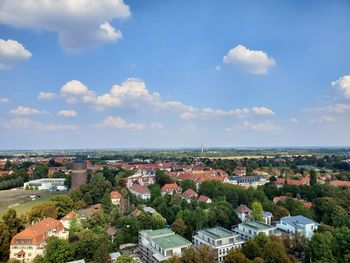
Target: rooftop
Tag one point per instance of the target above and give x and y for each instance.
(257, 225)
(171, 241)
(159, 232)
(297, 220)
(217, 232)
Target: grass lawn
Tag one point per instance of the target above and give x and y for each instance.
(25, 207)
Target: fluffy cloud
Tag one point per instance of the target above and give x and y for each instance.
(343, 84)
(67, 113)
(4, 100)
(12, 52)
(120, 123)
(46, 95)
(21, 123)
(266, 126)
(80, 24)
(24, 111)
(133, 93)
(252, 61)
(157, 125)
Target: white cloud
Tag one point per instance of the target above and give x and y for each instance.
(324, 119)
(343, 84)
(4, 100)
(157, 125)
(266, 126)
(79, 24)
(294, 120)
(133, 93)
(67, 113)
(11, 52)
(46, 95)
(21, 123)
(24, 111)
(218, 68)
(252, 61)
(120, 123)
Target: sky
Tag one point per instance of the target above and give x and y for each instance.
(164, 74)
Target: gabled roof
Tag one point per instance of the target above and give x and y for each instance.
(170, 187)
(139, 189)
(69, 216)
(38, 233)
(243, 209)
(203, 198)
(115, 195)
(340, 183)
(189, 193)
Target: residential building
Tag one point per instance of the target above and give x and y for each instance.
(115, 197)
(218, 238)
(53, 184)
(243, 212)
(161, 244)
(301, 224)
(340, 183)
(267, 216)
(144, 179)
(67, 218)
(140, 191)
(240, 171)
(246, 181)
(204, 199)
(189, 194)
(30, 242)
(249, 229)
(170, 189)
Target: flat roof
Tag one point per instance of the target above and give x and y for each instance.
(159, 232)
(257, 225)
(171, 241)
(217, 232)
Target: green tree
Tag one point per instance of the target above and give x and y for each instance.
(13, 223)
(42, 211)
(235, 256)
(274, 252)
(313, 177)
(106, 203)
(320, 248)
(64, 204)
(179, 227)
(58, 250)
(5, 238)
(158, 221)
(162, 178)
(257, 211)
(125, 259)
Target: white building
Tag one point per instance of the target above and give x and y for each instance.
(30, 242)
(243, 212)
(250, 229)
(218, 238)
(140, 191)
(294, 224)
(47, 184)
(161, 244)
(246, 181)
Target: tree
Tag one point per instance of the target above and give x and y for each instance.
(42, 211)
(125, 259)
(190, 255)
(158, 221)
(257, 211)
(179, 227)
(58, 250)
(251, 249)
(235, 256)
(106, 203)
(342, 244)
(162, 178)
(313, 177)
(274, 252)
(279, 212)
(320, 248)
(5, 238)
(64, 204)
(13, 223)
(174, 259)
(206, 254)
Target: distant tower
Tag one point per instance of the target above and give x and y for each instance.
(202, 148)
(79, 176)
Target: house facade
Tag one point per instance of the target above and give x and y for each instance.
(250, 229)
(115, 197)
(161, 244)
(218, 238)
(140, 191)
(300, 224)
(170, 189)
(30, 242)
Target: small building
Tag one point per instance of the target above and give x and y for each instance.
(144, 179)
(250, 229)
(115, 197)
(161, 244)
(67, 218)
(246, 181)
(243, 212)
(170, 189)
(53, 184)
(204, 199)
(267, 216)
(140, 191)
(294, 224)
(240, 171)
(30, 242)
(218, 238)
(189, 194)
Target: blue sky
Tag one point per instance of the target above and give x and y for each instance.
(184, 73)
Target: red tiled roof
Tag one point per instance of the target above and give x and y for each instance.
(203, 198)
(115, 195)
(303, 181)
(243, 209)
(38, 233)
(69, 216)
(307, 204)
(280, 181)
(189, 193)
(278, 199)
(171, 187)
(340, 183)
(139, 189)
